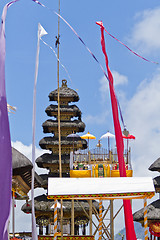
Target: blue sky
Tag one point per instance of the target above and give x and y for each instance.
(137, 83)
(21, 40)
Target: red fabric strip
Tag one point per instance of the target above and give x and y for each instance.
(129, 48)
(130, 232)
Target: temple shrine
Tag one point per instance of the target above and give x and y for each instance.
(78, 161)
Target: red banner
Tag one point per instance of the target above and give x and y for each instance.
(130, 232)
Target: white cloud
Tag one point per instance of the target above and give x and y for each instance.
(119, 80)
(96, 119)
(145, 34)
(27, 151)
(143, 120)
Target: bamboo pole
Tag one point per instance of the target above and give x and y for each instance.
(111, 220)
(145, 220)
(55, 219)
(90, 217)
(115, 215)
(72, 217)
(86, 212)
(13, 214)
(59, 122)
(100, 219)
(104, 226)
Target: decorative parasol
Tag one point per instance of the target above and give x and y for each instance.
(88, 136)
(130, 136)
(108, 135)
(73, 137)
(127, 136)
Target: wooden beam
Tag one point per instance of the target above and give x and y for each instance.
(111, 220)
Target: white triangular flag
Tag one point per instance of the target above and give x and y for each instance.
(41, 31)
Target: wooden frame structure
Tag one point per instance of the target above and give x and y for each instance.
(102, 189)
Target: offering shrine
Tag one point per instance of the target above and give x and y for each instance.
(78, 161)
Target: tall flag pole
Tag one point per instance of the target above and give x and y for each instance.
(59, 117)
(5, 140)
(130, 232)
(41, 32)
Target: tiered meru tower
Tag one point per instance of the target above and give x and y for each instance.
(70, 121)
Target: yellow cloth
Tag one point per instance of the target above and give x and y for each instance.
(80, 173)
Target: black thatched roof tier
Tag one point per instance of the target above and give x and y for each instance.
(20, 162)
(155, 166)
(49, 142)
(156, 182)
(51, 126)
(52, 159)
(46, 176)
(22, 167)
(153, 213)
(73, 110)
(44, 206)
(65, 93)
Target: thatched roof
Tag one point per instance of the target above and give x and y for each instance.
(71, 109)
(53, 141)
(65, 93)
(156, 182)
(153, 213)
(43, 206)
(50, 126)
(46, 176)
(52, 159)
(22, 166)
(155, 166)
(20, 162)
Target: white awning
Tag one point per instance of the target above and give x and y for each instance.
(105, 188)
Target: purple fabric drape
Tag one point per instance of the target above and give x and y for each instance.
(5, 141)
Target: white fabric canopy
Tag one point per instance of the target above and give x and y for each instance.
(96, 186)
(108, 135)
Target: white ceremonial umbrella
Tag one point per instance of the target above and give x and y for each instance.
(108, 135)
